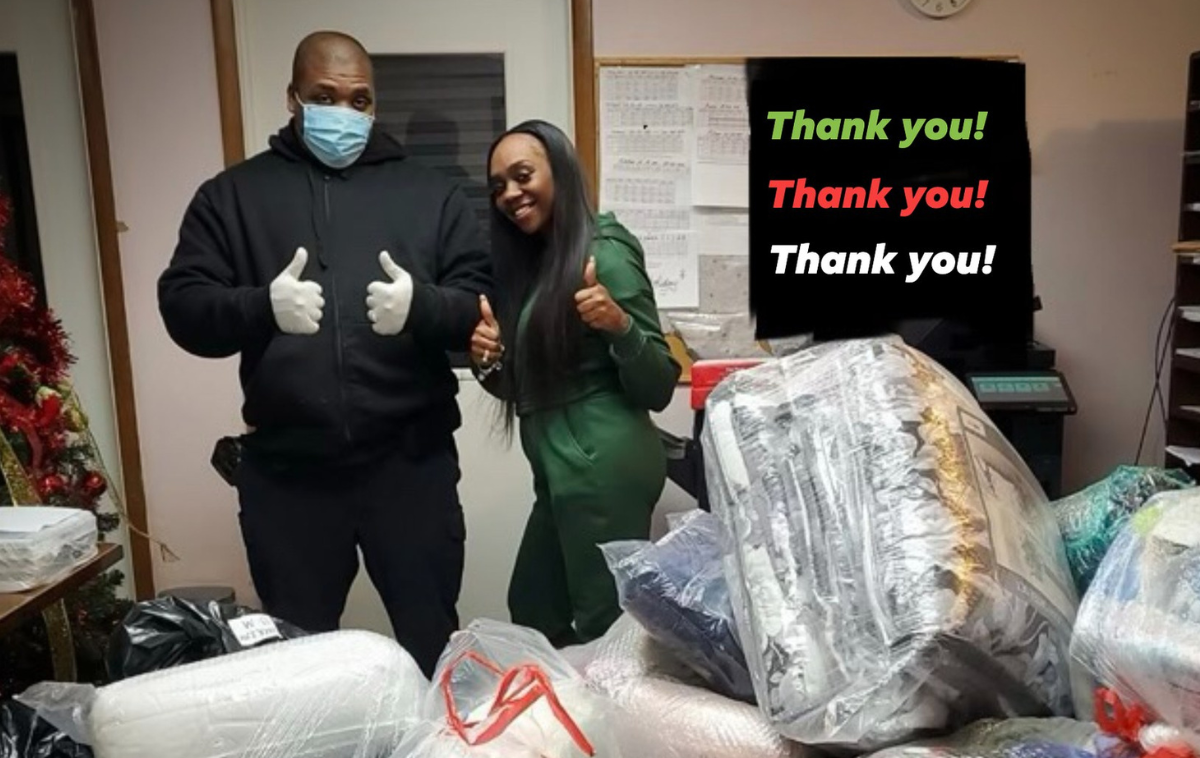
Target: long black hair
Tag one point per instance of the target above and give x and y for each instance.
(550, 264)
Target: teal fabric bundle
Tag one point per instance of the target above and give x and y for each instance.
(1091, 518)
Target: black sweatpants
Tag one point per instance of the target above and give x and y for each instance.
(302, 533)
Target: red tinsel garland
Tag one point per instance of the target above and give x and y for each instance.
(34, 333)
(5, 216)
(34, 358)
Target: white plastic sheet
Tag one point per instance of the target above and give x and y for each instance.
(344, 694)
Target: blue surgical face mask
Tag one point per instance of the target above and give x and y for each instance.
(336, 135)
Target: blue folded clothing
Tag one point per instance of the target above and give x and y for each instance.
(676, 590)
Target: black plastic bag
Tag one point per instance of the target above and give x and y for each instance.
(23, 734)
(170, 631)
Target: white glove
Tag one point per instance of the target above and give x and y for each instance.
(388, 303)
(297, 304)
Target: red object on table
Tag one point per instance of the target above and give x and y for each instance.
(708, 374)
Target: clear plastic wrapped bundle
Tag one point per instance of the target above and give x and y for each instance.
(502, 691)
(1091, 518)
(26, 733)
(39, 543)
(63, 709)
(1138, 630)
(676, 590)
(895, 568)
(343, 694)
(710, 336)
(1016, 738)
(643, 677)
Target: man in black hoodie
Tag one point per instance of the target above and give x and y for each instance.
(342, 274)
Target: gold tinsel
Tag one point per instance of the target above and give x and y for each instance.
(956, 485)
(22, 490)
(62, 643)
(58, 627)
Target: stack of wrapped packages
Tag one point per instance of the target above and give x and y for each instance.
(227, 682)
(882, 575)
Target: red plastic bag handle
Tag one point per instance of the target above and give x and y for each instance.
(520, 687)
(1114, 717)
(1126, 722)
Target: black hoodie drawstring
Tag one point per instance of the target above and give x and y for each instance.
(318, 208)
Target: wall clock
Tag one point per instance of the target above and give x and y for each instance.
(939, 8)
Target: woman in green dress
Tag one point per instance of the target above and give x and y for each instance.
(574, 349)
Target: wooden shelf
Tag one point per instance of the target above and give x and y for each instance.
(18, 607)
(1186, 414)
(1185, 363)
(1183, 393)
(1173, 461)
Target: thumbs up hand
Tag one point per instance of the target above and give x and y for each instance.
(297, 304)
(485, 341)
(596, 306)
(388, 303)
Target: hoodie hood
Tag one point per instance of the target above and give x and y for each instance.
(609, 228)
(381, 147)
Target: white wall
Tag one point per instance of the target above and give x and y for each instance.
(41, 35)
(1106, 100)
(164, 136)
(534, 36)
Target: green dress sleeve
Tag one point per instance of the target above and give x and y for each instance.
(648, 372)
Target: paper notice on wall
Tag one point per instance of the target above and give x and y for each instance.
(643, 84)
(647, 140)
(655, 219)
(633, 114)
(672, 265)
(663, 183)
(724, 284)
(647, 113)
(721, 232)
(721, 138)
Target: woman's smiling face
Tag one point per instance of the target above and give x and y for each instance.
(521, 183)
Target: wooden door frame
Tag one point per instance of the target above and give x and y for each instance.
(583, 72)
(229, 88)
(87, 57)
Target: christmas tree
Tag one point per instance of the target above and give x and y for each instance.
(48, 457)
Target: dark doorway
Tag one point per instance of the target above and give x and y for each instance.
(18, 218)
